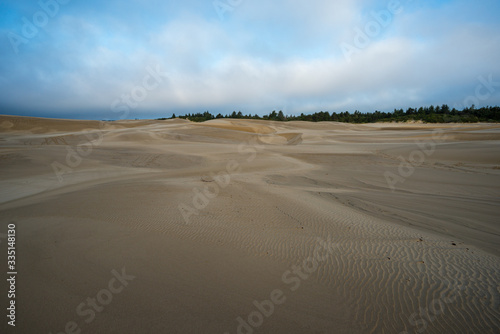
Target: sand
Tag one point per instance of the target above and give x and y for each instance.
(248, 226)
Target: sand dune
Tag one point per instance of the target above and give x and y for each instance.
(213, 218)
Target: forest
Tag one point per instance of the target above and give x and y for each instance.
(432, 114)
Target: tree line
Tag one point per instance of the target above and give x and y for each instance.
(432, 114)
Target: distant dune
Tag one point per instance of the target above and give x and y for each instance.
(250, 226)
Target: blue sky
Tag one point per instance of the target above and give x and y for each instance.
(94, 60)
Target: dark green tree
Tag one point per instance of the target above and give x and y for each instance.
(281, 117)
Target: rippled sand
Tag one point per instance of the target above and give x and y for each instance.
(245, 226)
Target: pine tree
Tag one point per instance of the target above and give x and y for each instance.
(281, 117)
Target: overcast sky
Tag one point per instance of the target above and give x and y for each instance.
(147, 59)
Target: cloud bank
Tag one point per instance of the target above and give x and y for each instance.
(253, 56)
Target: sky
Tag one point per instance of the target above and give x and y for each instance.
(151, 58)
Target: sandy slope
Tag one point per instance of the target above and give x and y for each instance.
(304, 209)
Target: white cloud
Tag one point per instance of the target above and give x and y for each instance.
(266, 54)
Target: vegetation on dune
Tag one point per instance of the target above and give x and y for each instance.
(438, 114)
